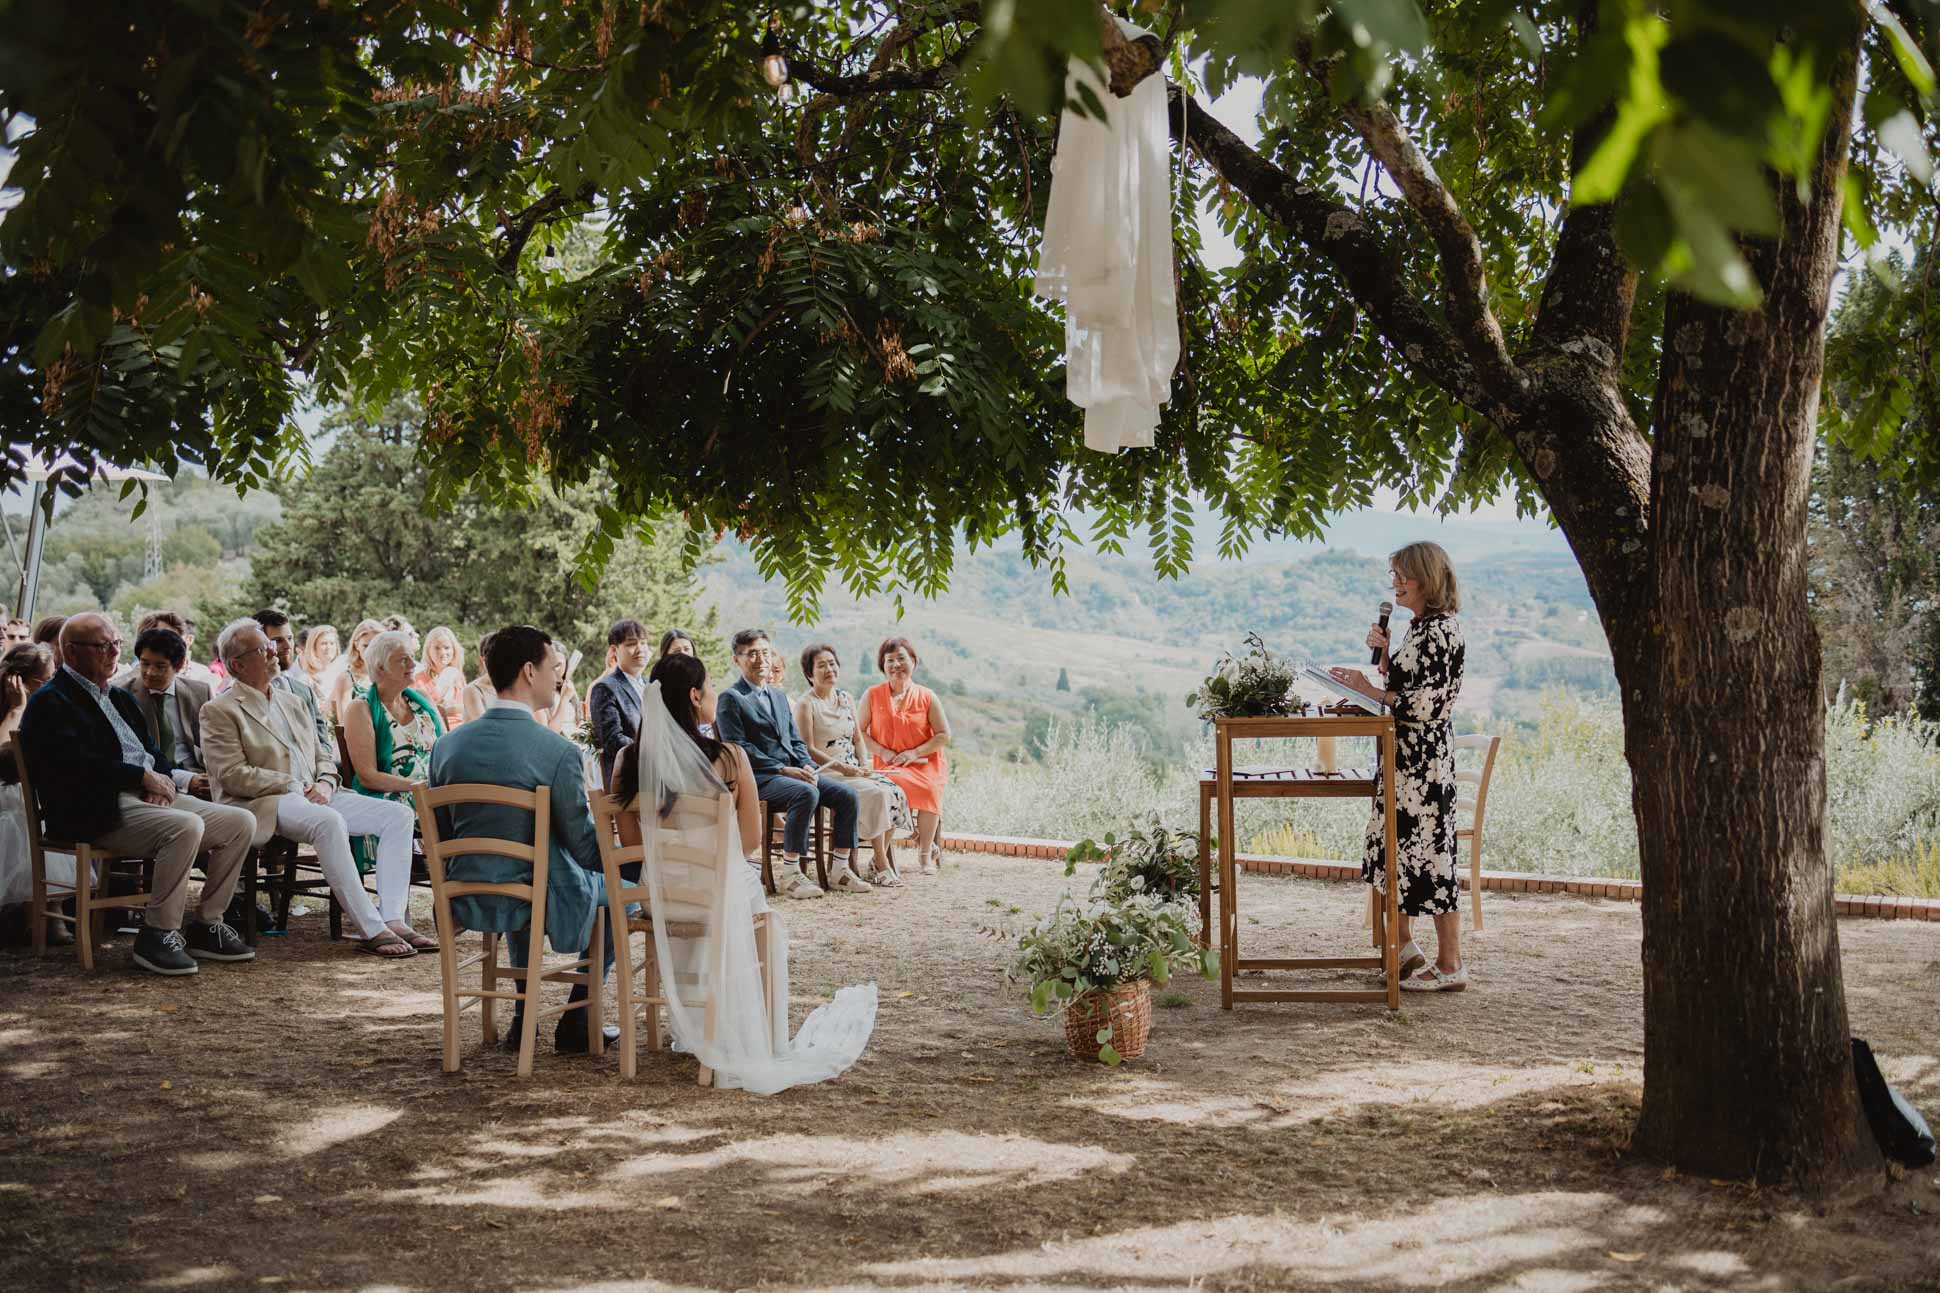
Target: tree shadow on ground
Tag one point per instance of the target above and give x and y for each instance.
(286, 1124)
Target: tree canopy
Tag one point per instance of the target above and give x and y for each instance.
(808, 318)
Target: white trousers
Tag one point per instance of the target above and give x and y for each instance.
(328, 827)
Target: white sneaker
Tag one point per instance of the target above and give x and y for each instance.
(849, 882)
(797, 885)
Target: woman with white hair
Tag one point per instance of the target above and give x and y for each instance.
(1423, 678)
(391, 731)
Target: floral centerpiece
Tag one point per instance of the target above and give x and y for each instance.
(1258, 684)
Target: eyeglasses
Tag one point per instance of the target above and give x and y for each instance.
(246, 652)
(113, 644)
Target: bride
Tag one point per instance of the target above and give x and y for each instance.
(749, 1050)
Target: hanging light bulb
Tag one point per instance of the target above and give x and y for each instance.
(774, 66)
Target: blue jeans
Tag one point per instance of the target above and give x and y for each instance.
(800, 799)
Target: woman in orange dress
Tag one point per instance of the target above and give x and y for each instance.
(904, 726)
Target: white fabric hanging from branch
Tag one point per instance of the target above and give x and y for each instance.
(1107, 255)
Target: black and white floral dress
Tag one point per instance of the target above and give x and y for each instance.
(1426, 675)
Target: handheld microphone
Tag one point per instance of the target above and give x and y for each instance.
(1387, 609)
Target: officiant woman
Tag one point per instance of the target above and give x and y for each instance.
(1424, 676)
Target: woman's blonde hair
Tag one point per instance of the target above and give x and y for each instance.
(1428, 565)
(354, 654)
(313, 643)
(443, 634)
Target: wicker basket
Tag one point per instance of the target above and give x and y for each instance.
(1127, 1008)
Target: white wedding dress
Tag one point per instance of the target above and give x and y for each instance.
(749, 1050)
(1107, 254)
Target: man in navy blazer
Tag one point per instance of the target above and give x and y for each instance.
(100, 780)
(760, 720)
(615, 699)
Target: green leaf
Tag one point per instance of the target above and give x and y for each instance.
(1396, 24)
(1724, 174)
(1724, 82)
(1641, 108)
(1532, 40)
(1714, 270)
(1858, 221)
(1901, 135)
(1645, 229)
(1919, 72)
(1106, 1055)
(1104, 1035)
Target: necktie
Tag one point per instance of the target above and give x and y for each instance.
(159, 727)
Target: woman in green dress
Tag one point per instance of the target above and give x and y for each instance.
(391, 731)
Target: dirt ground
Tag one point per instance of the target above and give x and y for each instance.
(285, 1125)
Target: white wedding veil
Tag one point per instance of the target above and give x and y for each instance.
(709, 954)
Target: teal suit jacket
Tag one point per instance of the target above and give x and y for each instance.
(506, 748)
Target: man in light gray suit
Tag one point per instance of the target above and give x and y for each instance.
(506, 746)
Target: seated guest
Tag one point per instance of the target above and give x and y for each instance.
(19, 633)
(825, 716)
(757, 718)
(777, 675)
(351, 679)
(317, 649)
(562, 716)
(24, 670)
(276, 627)
(478, 694)
(441, 678)
(47, 633)
(391, 733)
(675, 642)
(99, 780)
(906, 729)
(398, 624)
(172, 704)
(183, 627)
(262, 753)
(506, 747)
(615, 698)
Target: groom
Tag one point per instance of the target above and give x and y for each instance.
(507, 746)
(759, 720)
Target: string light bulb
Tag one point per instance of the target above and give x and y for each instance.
(774, 65)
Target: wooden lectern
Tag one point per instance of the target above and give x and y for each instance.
(1226, 784)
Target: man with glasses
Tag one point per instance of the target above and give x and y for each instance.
(283, 647)
(99, 779)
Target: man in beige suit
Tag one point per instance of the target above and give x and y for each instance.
(261, 751)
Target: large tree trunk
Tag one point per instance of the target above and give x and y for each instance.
(1747, 1066)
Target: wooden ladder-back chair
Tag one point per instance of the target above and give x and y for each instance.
(774, 821)
(537, 855)
(92, 868)
(701, 894)
(1471, 798)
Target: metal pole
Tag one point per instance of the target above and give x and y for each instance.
(30, 566)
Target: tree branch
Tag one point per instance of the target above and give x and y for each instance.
(1590, 288)
(1129, 61)
(1334, 232)
(1465, 280)
(519, 228)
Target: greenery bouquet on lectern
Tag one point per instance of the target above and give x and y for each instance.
(1258, 684)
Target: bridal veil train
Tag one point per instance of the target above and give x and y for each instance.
(715, 958)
